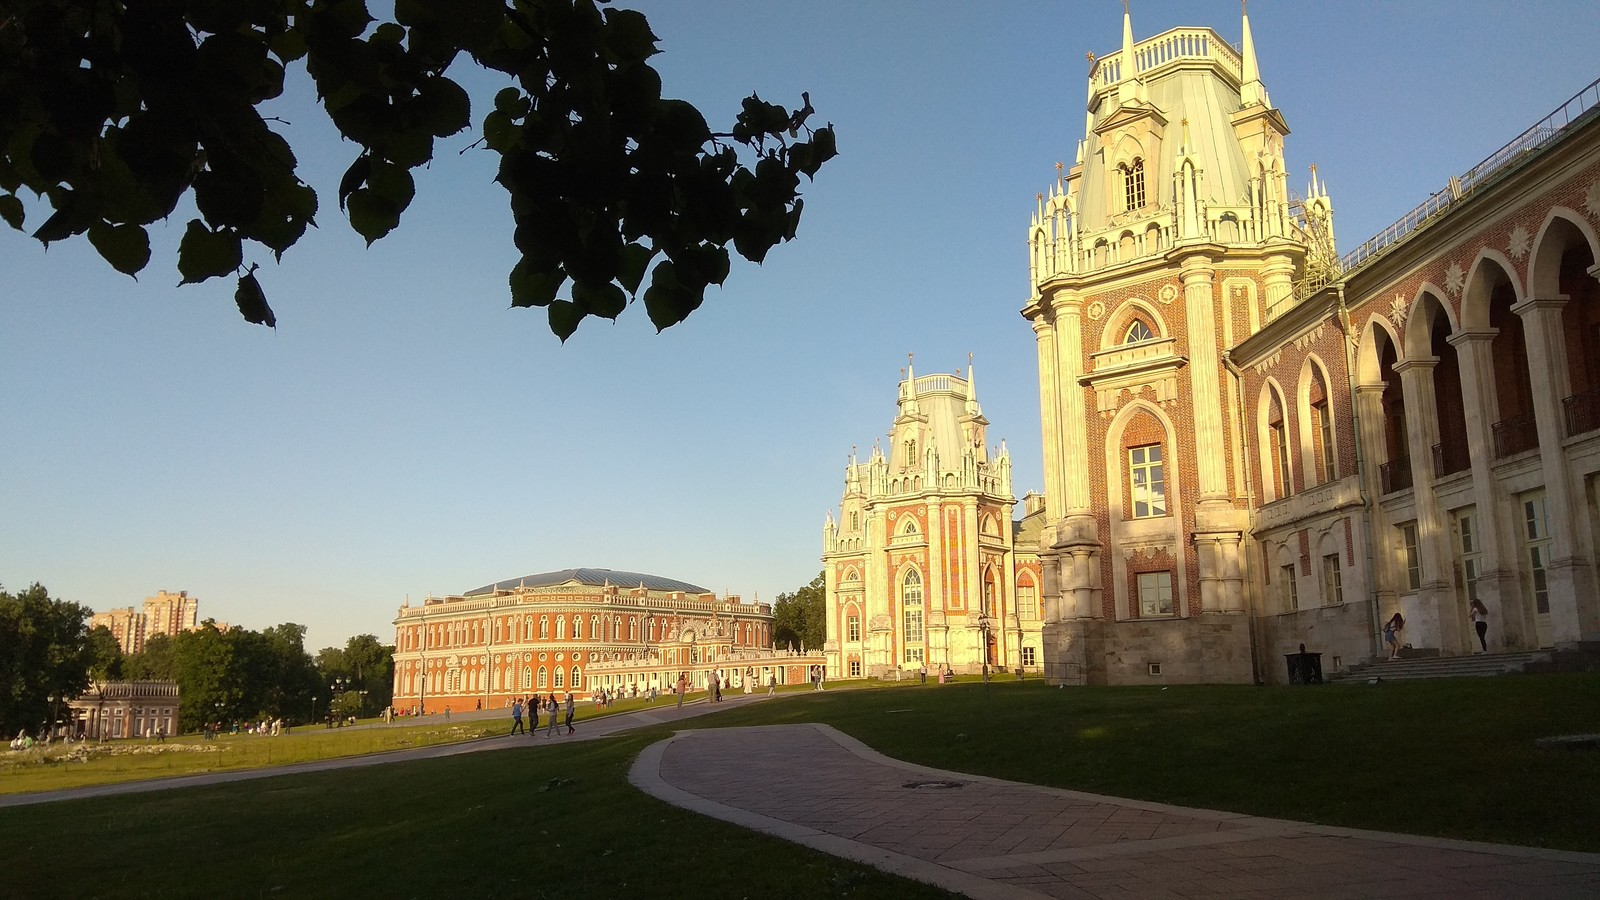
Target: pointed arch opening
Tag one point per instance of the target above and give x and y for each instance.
(1563, 267)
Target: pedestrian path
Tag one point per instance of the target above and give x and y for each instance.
(988, 838)
(588, 729)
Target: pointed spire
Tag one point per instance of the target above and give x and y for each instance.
(1129, 87)
(1251, 90)
(972, 389)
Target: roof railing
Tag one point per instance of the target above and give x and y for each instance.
(1541, 134)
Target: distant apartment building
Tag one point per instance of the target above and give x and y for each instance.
(166, 613)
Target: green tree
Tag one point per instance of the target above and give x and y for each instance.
(105, 654)
(798, 618)
(45, 655)
(366, 664)
(155, 661)
(115, 111)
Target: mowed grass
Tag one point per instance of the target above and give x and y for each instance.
(527, 822)
(50, 769)
(1449, 758)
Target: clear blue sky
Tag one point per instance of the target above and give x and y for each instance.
(404, 432)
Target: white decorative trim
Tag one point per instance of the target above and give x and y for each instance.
(1521, 240)
(1310, 337)
(1398, 310)
(1591, 201)
(1269, 362)
(1455, 279)
(1096, 310)
(1169, 292)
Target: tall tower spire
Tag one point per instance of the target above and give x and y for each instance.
(972, 389)
(1251, 90)
(1130, 88)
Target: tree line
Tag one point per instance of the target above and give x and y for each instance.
(49, 654)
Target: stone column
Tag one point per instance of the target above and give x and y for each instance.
(1574, 609)
(1204, 379)
(1072, 426)
(1050, 391)
(1497, 584)
(1440, 611)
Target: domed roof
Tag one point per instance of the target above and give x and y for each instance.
(591, 577)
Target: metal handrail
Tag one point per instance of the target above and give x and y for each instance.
(1534, 138)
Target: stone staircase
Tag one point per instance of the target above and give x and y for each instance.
(1477, 665)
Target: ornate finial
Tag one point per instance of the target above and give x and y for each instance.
(1313, 170)
(1059, 166)
(969, 358)
(1090, 55)
(911, 357)
(902, 371)
(1038, 196)
(1124, 7)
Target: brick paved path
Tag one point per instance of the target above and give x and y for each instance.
(991, 838)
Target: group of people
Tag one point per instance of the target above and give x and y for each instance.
(1397, 623)
(551, 706)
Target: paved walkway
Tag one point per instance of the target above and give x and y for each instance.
(989, 838)
(588, 729)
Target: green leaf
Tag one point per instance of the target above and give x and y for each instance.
(393, 183)
(11, 210)
(667, 301)
(252, 302)
(125, 247)
(564, 318)
(371, 215)
(442, 106)
(204, 253)
(511, 102)
(604, 300)
(635, 258)
(531, 287)
(628, 35)
(64, 223)
(354, 177)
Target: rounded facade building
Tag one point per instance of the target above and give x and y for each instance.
(544, 632)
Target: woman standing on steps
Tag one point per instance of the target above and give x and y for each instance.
(1391, 634)
(1480, 621)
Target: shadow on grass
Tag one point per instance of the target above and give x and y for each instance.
(525, 823)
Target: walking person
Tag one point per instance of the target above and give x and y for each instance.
(772, 683)
(683, 688)
(1391, 634)
(533, 716)
(1480, 621)
(569, 713)
(516, 717)
(553, 707)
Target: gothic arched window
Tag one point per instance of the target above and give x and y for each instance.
(1133, 184)
(1138, 331)
(911, 605)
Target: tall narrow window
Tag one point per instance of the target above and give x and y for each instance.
(1413, 559)
(852, 628)
(1133, 184)
(1027, 601)
(561, 677)
(544, 628)
(1332, 580)
(1148, 481)
(1536, 532)
(544, 677)
(1471, 554)
(1155, 594)
(1291, 590)
(911, 604)
(1319, 415)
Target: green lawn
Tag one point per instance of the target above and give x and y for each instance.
(1449, 758)
(1452, 758)
(79, 765)
(552, 822)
